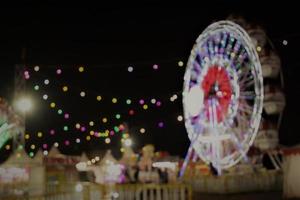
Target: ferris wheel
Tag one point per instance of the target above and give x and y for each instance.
(222, 95)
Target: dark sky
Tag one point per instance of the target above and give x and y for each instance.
(106, 40)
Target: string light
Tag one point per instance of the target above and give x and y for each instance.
(67, 116)
(153, 101)
(155, 67)
(7, 147)
(32, 146)
(45, 146)
(179, 118)
(114, 100)
(158, 103)
(36, 87)
(180, 63)
(45, 96)
(77, 140)
(45, 152)
(52, 105)
(65, 88)
(130, 69)
(131, 112)
(58, 71)
(40, 134)
(27, 136)
(81, 69)
(145, 106)
(128, 101)
(66, 128)
(142, 130)
(258, 49)
(91, 123)
(31, 154)
(82, 94)
(67, 142)
(46, 81)
(107, 140)
(83, 129)
(285, 42)
(98, 98)
(59, 111)
(92, 133)
(88, 138)
(118, 116)
(160, 124)
(104, 120)
(36, 68)
(77, 125)
(56, 144)
(52, 132)
(141, 101)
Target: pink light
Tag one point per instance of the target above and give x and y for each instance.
(131, 112)
(155, 66)
(58, 71)
(52, 132)
(45, 146)
(83, 129)
(158, 103)
(142, 101)
(67, 116)
(27, 77)
(160, 124)
(111, 132)
(26, 73)
(67, 142)
(121, 127)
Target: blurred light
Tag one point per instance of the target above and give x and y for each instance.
(65, 88)
(52, 132)
(142, 130)
(67, 116)
(67, 142)
(24, 104)
(107, 140)
(116, 129)
(58, 71)
(45, 96)
(40, 134)
(121, 127)
(258, 49)
(7, 147)
(66, 128)
(88, 138)
(114, 100)
(111, 132)
(98, 98)
(45, 153)
(32, 146)
(131, 112)
(179, 118)
(115, 195)
(59, 111)
(93, 160)
(194, 100)
(81, 69)
(145, 106)
(158, 103)
(285, 42)
(78, 187)
(97, 158)
(82, 94)
(104, 120)
(128, 101)
(31, 154)
(128, 142)
(141, 101)
(46, 81)
(18, 155)
(130, 69)
(92, 132)
(91, 123)
(27, 136)
(122, 149)
(89, 162)
(83, 129)
(52, 105)
(56, 144)
(155, 67)
(77, 125)
(153, 101)
(180, 63)
(36, 87)
(118, 116)
(160, 124)
(45, 146)
(27, 77)
(36, 68)
(77, 140)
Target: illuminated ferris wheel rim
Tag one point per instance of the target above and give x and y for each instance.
(240, 34)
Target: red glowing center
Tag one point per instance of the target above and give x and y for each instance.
(216, 85)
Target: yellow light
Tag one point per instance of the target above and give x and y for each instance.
(126, 135)
(258, 48)
(52, 105)
(7, 147)
(18, 155)
(114, 100)
(26, 136)
(145, 106)
(91, 123)
(104, 120)
(142, 130)
(88, 138)
(32, 146)
(180, 63)
(107, 140)
(92, 132)
(99, 98)
(65, 88)
(122, 149)
(39, 134)
(81, 69)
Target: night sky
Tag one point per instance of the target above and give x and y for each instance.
(106, 41)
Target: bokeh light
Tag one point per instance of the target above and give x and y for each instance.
(107, 140)
(114, 100)
(52, 105)
(91, 123)
(142, 130)
(104, 119)
(98, 98)
(36, 68)
(40, 134)
(45, 96)
(81, 69)
(82, 94)
(36, 87)
(65, 88)
(130, 69)
(145, 106)
(128, 101)
(180, 64)
(46, 81)
(58, 71)
(179, 118)
(118, 116)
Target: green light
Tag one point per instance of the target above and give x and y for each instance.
(20, 147)
(66, 128)
(31, 154)
(128, 101)
(116, 129)
(36, 87)
(59, 111)
(118, 116)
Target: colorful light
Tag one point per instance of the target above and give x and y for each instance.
(67, 142)
(40, 134)
(27, 136)
(92, 133)
(91, 123)
(45, 96)
(88, 138)
(46, 81)
(258, 49)
(52, 105)
(98, 98)
(32, 146)
(52, 132)
(67, 116)
(45, 146)
(153, 101)
(77, 140)
(180, 63)
(56, 144)
(107, 140)
(121, 127)
(116, 129)
(58, 71)
(45, 152)
(83, 129)
(131, 112)
(141, 101)
(160, 124)
(155, 66)
(130, 69)
(31, 154)
(128, 142)
(104, 120)
(111, 132)
(114, 100)
(142, 130)
(59, 111)
(65, 88)
(36, 87)
(66, 128)
(81, 69)
(179, 118)
(36, 68)
(128, 101)
(158, 103)
(122, 149)
(82, 94)
(77, 126)
(145, 106)
(118, 116)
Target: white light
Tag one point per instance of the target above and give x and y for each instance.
(180, 63)
(194, 100)
(24, 104)
(166, 164)
(78, 187)
(153, 101)
(82, 94)
(93, 160)
(284, 42)
(56, 144)
(81, 166)
(45, 153)
(128, 142)
(89, 162)
(46, 81)
(142, 130)
(130, 69)
(36, 68)
(115, 195)
(97, 158)
(45, 97)
(77, 140)
(179, 118)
